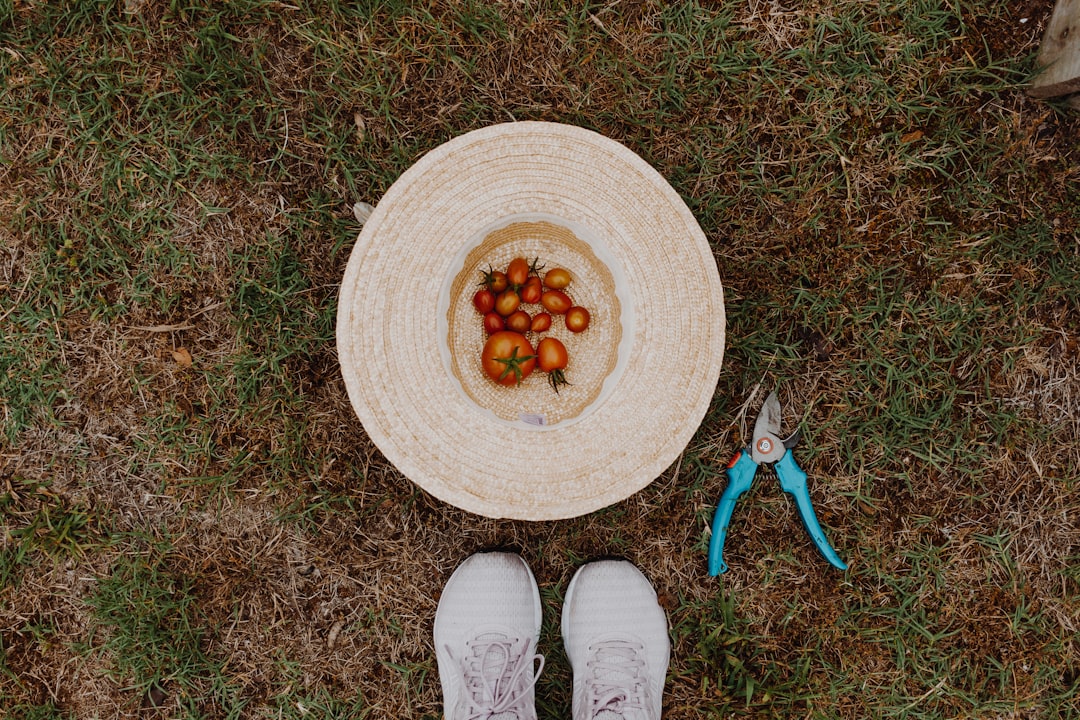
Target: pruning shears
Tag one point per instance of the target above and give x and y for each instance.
(767, 448)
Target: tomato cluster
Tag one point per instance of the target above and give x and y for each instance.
(504, 301)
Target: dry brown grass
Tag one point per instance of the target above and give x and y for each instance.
(315, 568)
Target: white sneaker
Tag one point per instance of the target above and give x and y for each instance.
(615, 634)
(486, 629)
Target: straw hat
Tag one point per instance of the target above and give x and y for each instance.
(642, 375)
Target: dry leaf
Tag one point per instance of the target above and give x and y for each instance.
(182, 357)
(332, 637)
(362, 211)
(361, 126)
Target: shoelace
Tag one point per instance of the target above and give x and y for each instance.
(498, 676)
(616, 684)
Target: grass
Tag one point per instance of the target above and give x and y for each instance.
(896, 228)
(149, 628)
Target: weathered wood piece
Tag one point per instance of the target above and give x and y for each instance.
(1059, 54)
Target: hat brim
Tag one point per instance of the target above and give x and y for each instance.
(391, 323)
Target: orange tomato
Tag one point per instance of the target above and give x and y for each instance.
(519, 321)
(552, 358)
(517, 272)
(494, 280)
(508, 358)
(507, 302)
(577, 319)
(556, 301)
(557, 279)
(541, 322)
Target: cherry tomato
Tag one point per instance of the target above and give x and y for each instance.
(557, 279)
(541, 322)
(493, 323)
(519, 321)
(577, 319)
(556, 301)
(484, 301)
(552, 358)
(551, 354)
(508, 358)
(517, 272)
(531, 291)
(507, 302)
(496, 280)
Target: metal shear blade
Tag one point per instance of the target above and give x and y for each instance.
(767, 446)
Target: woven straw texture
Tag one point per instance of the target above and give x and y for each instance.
(643, 374)
(593, 352)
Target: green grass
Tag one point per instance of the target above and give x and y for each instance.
(896, 228)
(42, 525)
(149, 627)
(38, 712)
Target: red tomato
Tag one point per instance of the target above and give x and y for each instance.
(577, 319)
(555, 301)
(517, 272)
(552, 358)
(507, 302)
(493, 323)
(484, 301)
(540, 322)
(519, 321)
(531, 291)
(508, 358)
(557, 279)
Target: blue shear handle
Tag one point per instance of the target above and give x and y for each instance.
(740, 477)
(793, 481)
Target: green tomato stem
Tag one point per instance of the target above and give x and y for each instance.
(513, 364)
